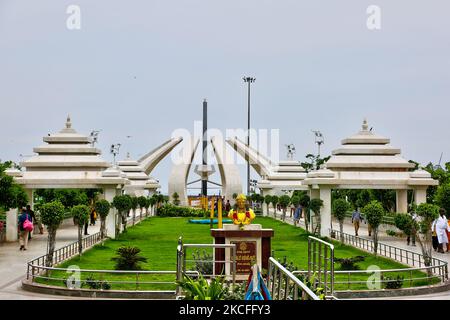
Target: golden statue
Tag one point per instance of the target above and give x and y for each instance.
(241, 215)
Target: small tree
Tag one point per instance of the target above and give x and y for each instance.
(134, 206)
(267, 201)
(275, 200)
(426, 214)
(340, 208)
(284, 202)
(176, 199)
(374, 213)
(314, 206)
(123, 204)
(304, 202)
(102, 208)
(142, 201)
(295, 201)
(442, 197)
(80, 214)
(52, 215)
(147, 206)
(152, 202)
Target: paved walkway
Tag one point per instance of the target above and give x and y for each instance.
(383, 237)
(13, 262)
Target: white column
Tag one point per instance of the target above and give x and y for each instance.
(402, 201)
(30, 193)
(11, 225)
(314, 193)
(420, 195)
(109, 194)
(325, 211)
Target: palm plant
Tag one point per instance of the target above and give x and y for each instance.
(128, 258)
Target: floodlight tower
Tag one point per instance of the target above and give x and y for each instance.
(94, 137)
(319, 140)
(290, 151)
(115, 151)
(249, 81)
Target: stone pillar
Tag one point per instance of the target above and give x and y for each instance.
(420, 195)
(325, 211)
(314, 193)
(30, 193)
(109, 194)
(402, 201)
(11, 225)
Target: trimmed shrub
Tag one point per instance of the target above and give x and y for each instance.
(170, 210)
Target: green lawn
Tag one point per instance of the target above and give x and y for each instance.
(157, 238)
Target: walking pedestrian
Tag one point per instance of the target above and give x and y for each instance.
(441, 230)
(25, 227)
(356, 220)
(33, 218)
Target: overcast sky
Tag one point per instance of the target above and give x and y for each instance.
(142, 69)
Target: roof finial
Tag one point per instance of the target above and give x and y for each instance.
(68, 122)
(365, 125)
(128, 155)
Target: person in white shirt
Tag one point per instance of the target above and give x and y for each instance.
(441, 230)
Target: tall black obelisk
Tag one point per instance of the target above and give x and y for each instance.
(204, 146)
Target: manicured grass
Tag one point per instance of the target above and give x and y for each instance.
(157, 238)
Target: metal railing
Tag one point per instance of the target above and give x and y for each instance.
(418, 274)
(401, 255)
(67, 251)
(115, 279)
(321, 263)
(182, 262)
(283, 285)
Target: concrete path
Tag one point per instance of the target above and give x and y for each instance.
(383, 237)
(13, 262)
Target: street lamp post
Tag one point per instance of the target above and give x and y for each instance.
(249, 81)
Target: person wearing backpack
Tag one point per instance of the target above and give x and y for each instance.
(25, 227)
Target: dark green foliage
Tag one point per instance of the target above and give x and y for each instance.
(393, 282)
(122, 203)
(349, 263)
(176, 199)
(134, 202)
(52, 214)
(374, 213)
(81, 214)
(201, 289)
(295, 200)
(68, 197)
(236, 293)
(102, 208)
(340, 208)
(169, 210)
(404, 222)
(315, 205)
(12, 195)
(314, 162)
(128, 258)
(142, 202)
(442, 197)
(94, 284)
(203, 262)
